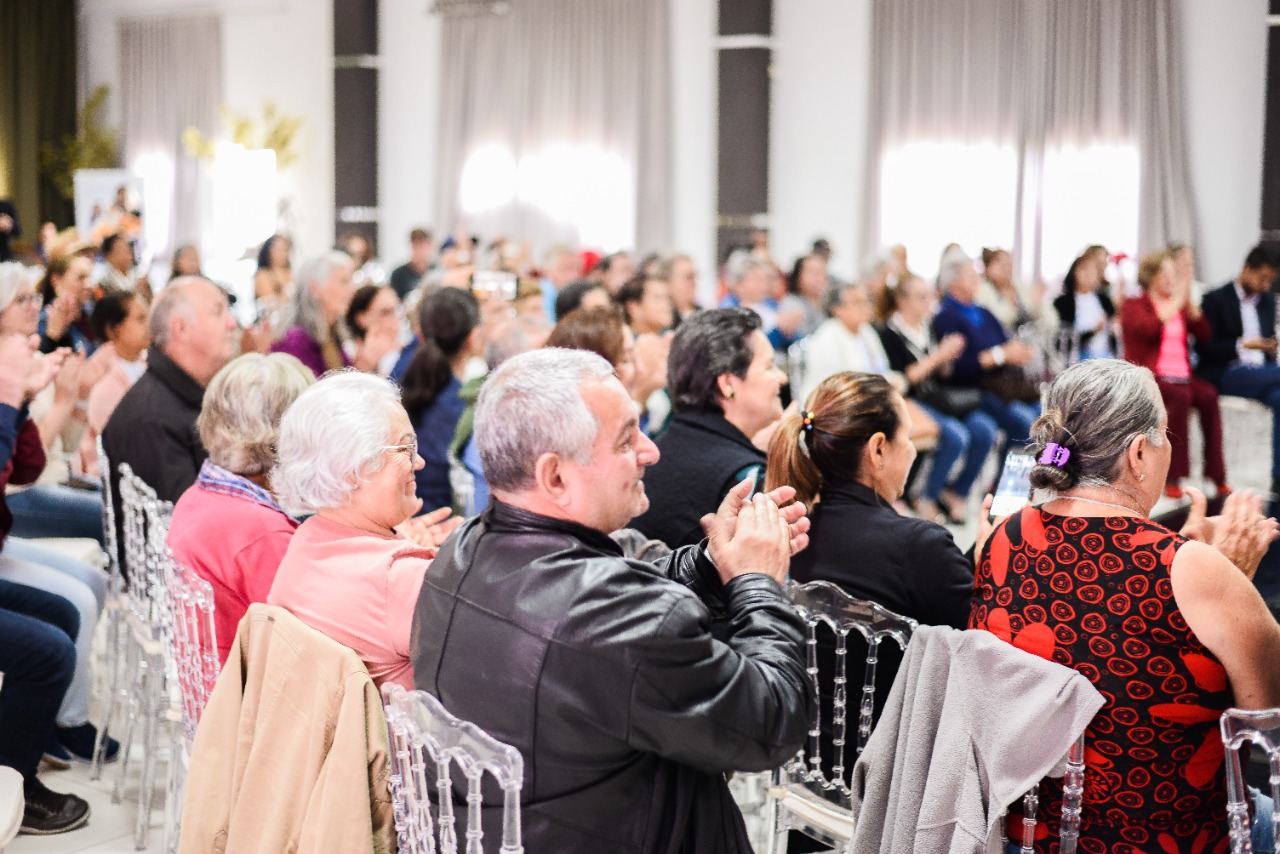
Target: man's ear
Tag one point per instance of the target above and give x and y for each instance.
(548, 475)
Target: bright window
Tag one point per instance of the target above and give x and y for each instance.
(1090, 196)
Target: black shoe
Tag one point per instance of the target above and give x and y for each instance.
(48, 812)
(55, 755)
(79, 741)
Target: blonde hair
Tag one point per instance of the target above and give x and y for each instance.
(239, 422)
(1149, 267)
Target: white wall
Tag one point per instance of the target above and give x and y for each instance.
(408, 115)
(278, 50)
(1224, 72)
(694, 97)
(818, 127)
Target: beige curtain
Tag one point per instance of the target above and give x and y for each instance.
(1034, 74)
(568, 103)
(171, 79)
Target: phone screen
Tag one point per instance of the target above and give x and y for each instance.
(1014, 490)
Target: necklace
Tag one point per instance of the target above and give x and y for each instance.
(1096, 501)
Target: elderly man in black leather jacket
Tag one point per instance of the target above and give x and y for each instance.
(602, 670)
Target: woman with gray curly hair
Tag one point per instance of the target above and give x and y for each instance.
(1170, 631)
(348, 454)
(228, 526)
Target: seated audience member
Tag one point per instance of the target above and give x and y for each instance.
(750, 281)
(807, 288)
(186, 262)
(47, 506)
(999, 295)
(530, 300)
(405, 279)
(119, 272)
(601, 331)
(1086, 311)
(121, 320)
(991, 360)
(599, 669)
(725, 388)
(375, 310)
(1184, 270)
(1171, 632)
(646, 305)
(37, 639)
(682, 278)
(347, 454)
(1239, 357)
(581, 294)
(964, 430)
(228, 527)
(847, 341)
(273, 285)
(64, 290)
(561, 269)
(320, 334)
(449, 320)
(33, 564)
(1156, 326)
(153, 428)
(613, 271)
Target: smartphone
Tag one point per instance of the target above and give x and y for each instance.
(1013, 492)
(494, 283)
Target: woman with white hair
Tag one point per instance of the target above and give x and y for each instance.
(319, 337)
(347, 453)
(228, 527)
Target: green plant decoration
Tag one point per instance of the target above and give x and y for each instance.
(276, 131)
(94, 146)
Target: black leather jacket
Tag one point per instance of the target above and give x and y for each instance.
(603, 672)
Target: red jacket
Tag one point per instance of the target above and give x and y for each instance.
(23, 467)
(1141, 331)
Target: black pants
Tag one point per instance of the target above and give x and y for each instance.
(37, 658)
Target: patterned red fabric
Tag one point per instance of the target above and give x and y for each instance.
(1094, 594)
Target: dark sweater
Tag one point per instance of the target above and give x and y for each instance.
(702, 457)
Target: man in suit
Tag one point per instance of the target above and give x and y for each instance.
(1240, 358)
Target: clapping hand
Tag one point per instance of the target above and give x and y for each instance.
(1242, 532)
(756, 535)
(430, 529)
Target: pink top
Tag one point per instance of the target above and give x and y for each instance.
(1172, 361)
(103, 398)
(358, 588)
(233, 543)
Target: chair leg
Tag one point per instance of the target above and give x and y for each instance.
(111, 676)
(154, 691)
(177, 783)
(135, 674)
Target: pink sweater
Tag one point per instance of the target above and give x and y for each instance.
(234, 544)
(358, 588)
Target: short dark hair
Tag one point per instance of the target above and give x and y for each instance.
(708, 344)
(109, 243)
(419, 234)
(360, 303)
(110, 311)
(1258, 257)
(632, 292)
(570, 296)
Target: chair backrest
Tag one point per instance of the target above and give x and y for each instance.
(109, 538)
(1263, 729)
(193, 641)
(146, 525)
(421, 728)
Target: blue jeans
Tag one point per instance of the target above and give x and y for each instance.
(53, 510)
(1262, 832)
(38, 657)
(971, 438)
(1261, 383)
(1014, 418)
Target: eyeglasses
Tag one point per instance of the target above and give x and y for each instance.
(410, 450)
(25, 299)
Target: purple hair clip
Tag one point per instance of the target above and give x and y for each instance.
(1055, 455)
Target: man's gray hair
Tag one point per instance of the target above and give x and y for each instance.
(239, 420)
(306, 306)
(533, 405)
(512, 337)
(173, 301)
(333, 439)
(953, 264)
(742, 263)
(1094, 409)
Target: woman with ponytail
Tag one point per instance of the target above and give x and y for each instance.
(450, 324)
(847, 452)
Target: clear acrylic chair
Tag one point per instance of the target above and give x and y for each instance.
(114, 610)
(145, 692)
(1263, 729)
(420, 730)
(193, 649)
(802, 796)
(1072, 803)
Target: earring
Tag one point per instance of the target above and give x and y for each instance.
(732, 394)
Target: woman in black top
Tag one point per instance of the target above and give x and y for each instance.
(1085, 310)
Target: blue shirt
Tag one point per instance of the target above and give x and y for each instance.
(402, 364)
(480, 486)
(981, 332)
(435, 433)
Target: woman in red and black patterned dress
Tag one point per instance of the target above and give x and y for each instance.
(1170, 631)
